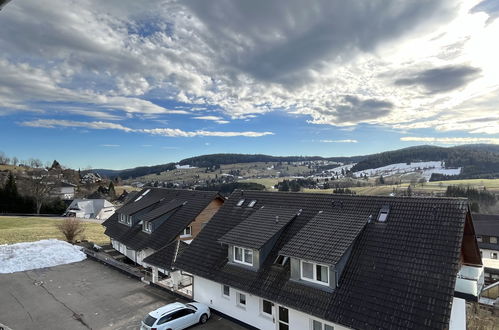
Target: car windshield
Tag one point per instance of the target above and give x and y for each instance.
(149, 320)
(192, 306)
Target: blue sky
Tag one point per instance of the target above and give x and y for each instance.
(115, 84)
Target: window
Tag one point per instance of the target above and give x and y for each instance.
(493, 239)
(479, 239)
(252, 203)
(266, 307)
(241, 299)
(187, 231)
(243, 256)
(317, 325)
(165, 319)
(315, 272)
(493, 255)
(281, 260)
(226, 291)
(147, 227)
(240, 203)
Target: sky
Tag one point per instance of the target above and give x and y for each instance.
(124, 83)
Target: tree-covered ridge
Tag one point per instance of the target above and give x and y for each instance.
(479, 162)
(223, 159)
(134, 172)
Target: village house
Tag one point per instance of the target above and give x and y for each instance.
(155, 226)
(99, 209)
(64, 191)
(487, 235)
(322, 262)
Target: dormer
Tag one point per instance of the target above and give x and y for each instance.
(129, 214)
(156, 217)
(250, 242)
(319, 252)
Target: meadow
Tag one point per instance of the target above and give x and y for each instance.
(29, 229)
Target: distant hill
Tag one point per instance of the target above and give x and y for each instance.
(480, 161)
(477, 161)
(223, 159)
(133, 172)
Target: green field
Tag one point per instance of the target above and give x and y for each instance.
(29, 229)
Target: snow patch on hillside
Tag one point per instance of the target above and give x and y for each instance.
(425, 168)
(33, 255)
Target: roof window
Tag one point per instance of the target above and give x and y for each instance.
(383, 213)
(252, 203)
(281, 260)
(240, 203)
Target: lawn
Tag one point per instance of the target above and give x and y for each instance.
(29, 229)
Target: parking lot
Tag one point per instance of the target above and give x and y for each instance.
(83, 295)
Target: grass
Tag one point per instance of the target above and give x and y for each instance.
(29, 229)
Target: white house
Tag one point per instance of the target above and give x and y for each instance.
(321, 262)
(64, 191)
(99, 209)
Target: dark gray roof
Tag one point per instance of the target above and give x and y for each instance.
(486, 224)
(400, 274)
(135, 238)
(143, 199)
(165, 257)
(259, 227)
(163, 208)
(327, 236)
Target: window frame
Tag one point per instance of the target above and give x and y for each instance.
(493, 238)
(323, 325)
(184, 234)
(263, 312)
(227, 296)
(479, 239)
(239, 295)
(493, 255)
(243, 255)
(314, 272)
(147, 227)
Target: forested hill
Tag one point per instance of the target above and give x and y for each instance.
(222, 159)
(477, 161)
(134, 172)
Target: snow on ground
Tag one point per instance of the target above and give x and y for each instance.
(335, 172)
(32, 255)
(426, 169)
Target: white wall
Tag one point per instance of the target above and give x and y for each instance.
(210, 293)
(486, 254)
(470, 280)
(458, 314)
(142, 254)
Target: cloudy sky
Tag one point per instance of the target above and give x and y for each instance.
(122, 83)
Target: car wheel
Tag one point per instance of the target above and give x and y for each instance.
(203, 319)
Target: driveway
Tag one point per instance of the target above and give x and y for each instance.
(82, 295)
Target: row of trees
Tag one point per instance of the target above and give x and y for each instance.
(33, 197)
(478, 198)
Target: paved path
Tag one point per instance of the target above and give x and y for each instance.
(82, 295)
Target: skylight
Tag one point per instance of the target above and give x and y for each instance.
(240, 203)
(252, 203)
(383, 213)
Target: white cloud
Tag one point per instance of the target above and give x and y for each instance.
(170, 132)
(110, 145)
(339, 141)
(450, 140)
(52, 123)
(216, 119)
(407, 65)
(175, 132)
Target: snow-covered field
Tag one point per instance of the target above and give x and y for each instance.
(426, 169)
(32, 255)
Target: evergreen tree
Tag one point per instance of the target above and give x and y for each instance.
(112, 192)
(11, 187)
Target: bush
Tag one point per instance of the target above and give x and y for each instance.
(71, 228)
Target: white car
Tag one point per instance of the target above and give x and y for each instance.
(176, 316)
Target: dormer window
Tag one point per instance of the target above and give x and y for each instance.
(240, 203)
(252, 203)
(147, 227)
(243, 255)
(187, 232)
(313, 272)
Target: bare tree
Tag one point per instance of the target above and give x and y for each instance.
(15, 161)
(71, 228)
(4, 160)
(39, 185)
